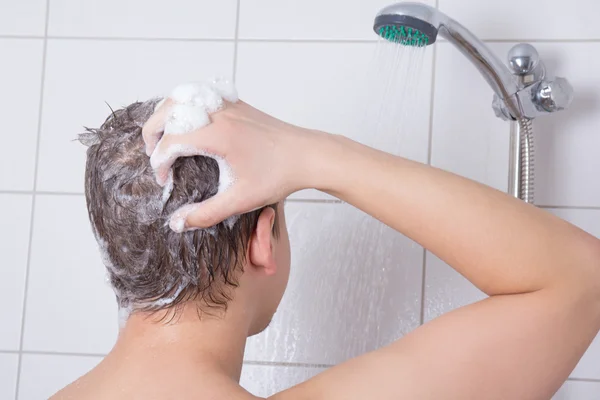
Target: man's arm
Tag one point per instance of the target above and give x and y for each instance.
(543, 276)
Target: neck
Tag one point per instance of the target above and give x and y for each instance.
(214, 344)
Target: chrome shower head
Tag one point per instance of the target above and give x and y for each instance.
(417, 24)
(412, 24)
(522, 91)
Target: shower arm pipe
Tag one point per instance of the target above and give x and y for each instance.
(506, 86)
(494, 71)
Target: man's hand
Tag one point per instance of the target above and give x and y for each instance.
(269, 160)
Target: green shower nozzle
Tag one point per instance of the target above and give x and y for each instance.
(407, 30)
(404, 35)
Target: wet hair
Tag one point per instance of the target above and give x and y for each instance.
(150, 267)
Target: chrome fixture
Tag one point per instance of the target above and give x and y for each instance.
(523, 90)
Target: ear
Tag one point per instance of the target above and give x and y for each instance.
(261, 243)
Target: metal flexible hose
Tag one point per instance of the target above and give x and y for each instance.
(527, 167)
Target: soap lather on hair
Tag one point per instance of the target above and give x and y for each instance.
(192, 104)
(150, 266)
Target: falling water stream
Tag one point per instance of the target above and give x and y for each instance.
(391, 95)
(355, 284)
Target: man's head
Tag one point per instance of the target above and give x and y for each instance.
(152, 268)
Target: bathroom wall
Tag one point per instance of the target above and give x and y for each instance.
(355, 285)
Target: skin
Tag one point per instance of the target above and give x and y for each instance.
(542, 275)
(191, 357)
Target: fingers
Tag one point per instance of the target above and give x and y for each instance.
(171, 147)
(206, 214)
(165, 155)
(155, 126)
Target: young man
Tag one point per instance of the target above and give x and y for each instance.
(542, 274)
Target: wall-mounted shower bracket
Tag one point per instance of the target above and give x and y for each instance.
(537, 95)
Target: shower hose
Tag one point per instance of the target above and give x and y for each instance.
(527, 161)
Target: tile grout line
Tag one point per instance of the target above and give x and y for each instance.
(19, 192)
(287, 364)
(262, 40)
(583, 380)
(236, 40)
(61, 353)
(53, 193)
(246, 362)
(18, 37)
(315, 201)
(317, 41)
(291, 200)
(595, 208)
(586, 40)
(120, 38)
(533, 40)
(40, 192)
(31, 217)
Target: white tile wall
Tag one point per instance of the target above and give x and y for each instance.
(310, 19)
(575, 390)
(23, 17)
(286, 80)
(567, 161)
(83, 76)
(321, 86)
(20, 80)
(527, 20)
(42, 375)
(567, 143)
(182, 19)
(303, 61)
(8, 375)
(15, 213)
(368, 273)
(468, 139)
(70, 306)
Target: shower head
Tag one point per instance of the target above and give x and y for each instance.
(417, 24)
(521, 91)
(411, 24)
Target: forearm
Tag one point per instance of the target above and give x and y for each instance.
(542, 273)
(499, 243)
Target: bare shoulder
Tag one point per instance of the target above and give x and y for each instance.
(91, 388)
